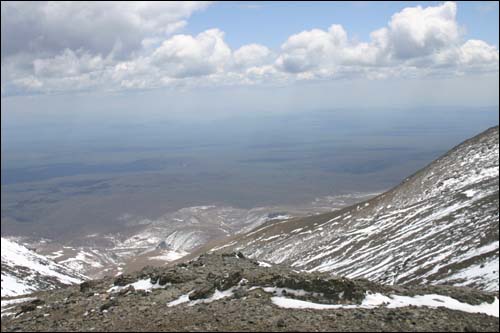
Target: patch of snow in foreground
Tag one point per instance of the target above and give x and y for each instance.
(282, 291)
(180, 300)
(138, 285)
(217, 295)
(395, 301)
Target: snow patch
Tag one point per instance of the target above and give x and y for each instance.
(470, 193)
(216, 296)
(264, 264)
(394, 301)
(171, 255)
(38, 266)
(139, 285)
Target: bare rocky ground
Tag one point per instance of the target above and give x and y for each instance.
(242, 305)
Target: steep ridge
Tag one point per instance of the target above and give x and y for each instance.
(24, 271)
(438, 226)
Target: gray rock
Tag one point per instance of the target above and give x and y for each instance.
(108, 305)
(231, 280)
(203, 292)
(123, 280)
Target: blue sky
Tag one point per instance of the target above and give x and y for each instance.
(397, 53)
(270, 23)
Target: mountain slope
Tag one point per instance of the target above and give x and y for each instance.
(438, 226)
(171, 236)
(24, 271)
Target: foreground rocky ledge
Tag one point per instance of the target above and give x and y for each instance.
(224, 292)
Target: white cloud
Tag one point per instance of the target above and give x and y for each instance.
(418, 31)
(417, 42)
(185, 55)
(30, 83)
(52, 26)
(251, 55)
(68, 63)
(477, 52)
(473, 56)
(311, 49)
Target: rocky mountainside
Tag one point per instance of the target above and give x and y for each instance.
(171, 236)
(438, 226)
(230, 292)
(24, 271)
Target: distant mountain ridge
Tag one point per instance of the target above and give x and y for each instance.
(439, 225)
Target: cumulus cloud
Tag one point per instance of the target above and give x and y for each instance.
(133, 49)
(415, 38)
(52, 26)
(185, 55)
(68, 63)
(311, 49)
(477, 52)
(251, 55)
(418, 31)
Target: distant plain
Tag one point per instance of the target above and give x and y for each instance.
(61, 179)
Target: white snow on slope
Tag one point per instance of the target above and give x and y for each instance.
(144, 284)
(171, 255)
(394, 301)
(215, 296)
(478, 272)
(264, 264)
(24, 271)
(371, 300)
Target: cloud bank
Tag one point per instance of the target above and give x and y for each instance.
(62, 47)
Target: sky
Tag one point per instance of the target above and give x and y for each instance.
(263, 55)
(278, 20)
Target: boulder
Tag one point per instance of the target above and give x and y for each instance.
(203, 292)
